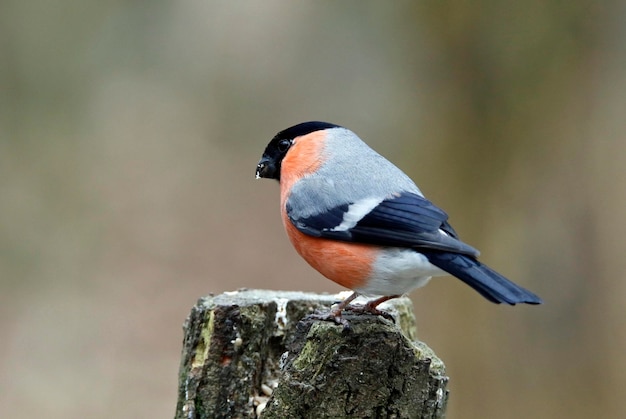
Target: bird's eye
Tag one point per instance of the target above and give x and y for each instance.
(283, 145)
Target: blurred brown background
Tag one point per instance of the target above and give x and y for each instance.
(129, 135)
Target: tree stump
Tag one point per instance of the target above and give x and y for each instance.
(255, 353)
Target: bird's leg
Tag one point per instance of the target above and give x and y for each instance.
(370, 307)
(336, 312)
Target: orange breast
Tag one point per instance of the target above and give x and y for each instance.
(347, 264)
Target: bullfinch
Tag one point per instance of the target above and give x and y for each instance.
(363, 223)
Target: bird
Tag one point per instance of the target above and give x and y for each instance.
(361, 222)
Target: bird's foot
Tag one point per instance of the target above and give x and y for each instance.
(371, 307)
(334, 315)
(331, 316)
(368, 308)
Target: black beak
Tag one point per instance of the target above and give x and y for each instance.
(266, 169)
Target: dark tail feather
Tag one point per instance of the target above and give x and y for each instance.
(483, 279)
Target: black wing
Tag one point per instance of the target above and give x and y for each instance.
(405, 220)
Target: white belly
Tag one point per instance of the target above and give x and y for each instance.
(397, 271)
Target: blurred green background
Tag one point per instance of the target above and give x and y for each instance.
(129, 136)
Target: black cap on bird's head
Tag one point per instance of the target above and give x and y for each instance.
(270, 163)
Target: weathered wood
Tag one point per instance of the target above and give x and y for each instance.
(254, 353)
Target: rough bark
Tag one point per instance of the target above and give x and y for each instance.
(254, 353)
